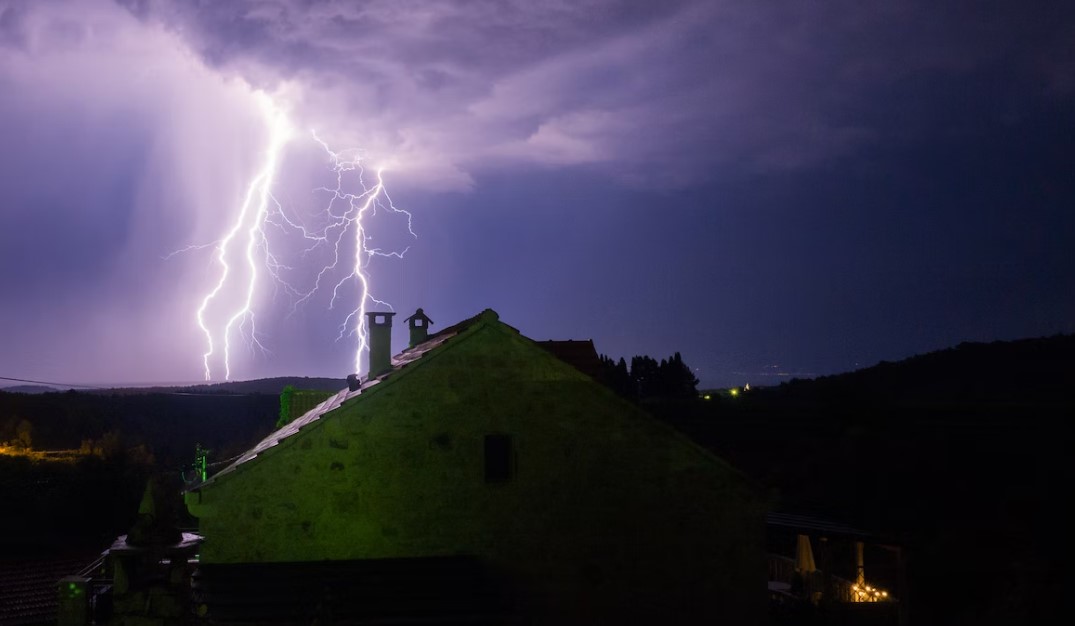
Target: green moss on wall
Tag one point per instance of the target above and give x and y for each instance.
(604, 502)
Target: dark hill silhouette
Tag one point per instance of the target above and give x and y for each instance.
(257, 386)
(963, 453)
(226, 417)
(29, 389)
(1035, 371)
(272, 385)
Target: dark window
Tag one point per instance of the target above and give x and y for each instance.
(497, 458)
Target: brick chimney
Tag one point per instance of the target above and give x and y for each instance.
(380, 325)
(419, 327)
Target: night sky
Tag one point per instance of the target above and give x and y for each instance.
(772, 189)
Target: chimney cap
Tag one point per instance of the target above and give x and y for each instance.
(419, 315)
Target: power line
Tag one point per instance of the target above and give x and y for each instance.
(42, 382)
(162, 390)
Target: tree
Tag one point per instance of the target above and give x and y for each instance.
(646, 374)
(650, 379)
(617, 377)
(286, 396)
(679, 381)
(110, 446)
(24, 434)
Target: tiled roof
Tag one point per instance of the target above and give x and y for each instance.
(399, 362)
(28, 587)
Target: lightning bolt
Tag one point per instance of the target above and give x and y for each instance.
(340, 234)
(250, 222)
(348, 212)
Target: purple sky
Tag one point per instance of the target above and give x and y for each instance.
(772, 189)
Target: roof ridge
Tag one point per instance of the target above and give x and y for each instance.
(398, 362)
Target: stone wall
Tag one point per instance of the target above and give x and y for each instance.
(606, 512)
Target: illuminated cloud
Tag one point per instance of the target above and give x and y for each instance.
(131, 130)
(670, 89)
(119, 146)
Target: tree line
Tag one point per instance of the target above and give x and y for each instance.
(167, 426)
(649, 379)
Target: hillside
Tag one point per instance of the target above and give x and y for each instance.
(1036, 371)
(29, 389)
(258, 386)
(963, 453)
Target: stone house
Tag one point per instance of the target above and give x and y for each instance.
(476, 477)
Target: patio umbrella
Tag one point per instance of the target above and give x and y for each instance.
(804, 556)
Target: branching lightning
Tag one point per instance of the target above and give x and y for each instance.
(345, 212)
(340, 231)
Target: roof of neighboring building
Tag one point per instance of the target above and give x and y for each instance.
(579, 353)
(28, 586)
(806, 524)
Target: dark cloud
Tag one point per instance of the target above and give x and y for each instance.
(656, 93)
(11, 27)
(813, 184)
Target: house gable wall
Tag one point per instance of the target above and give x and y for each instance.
(603, 501)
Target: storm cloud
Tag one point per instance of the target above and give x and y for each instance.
(785, 175)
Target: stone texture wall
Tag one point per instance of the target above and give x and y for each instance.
(608, 511)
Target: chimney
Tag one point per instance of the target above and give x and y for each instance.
(419, 327)
(380, 324)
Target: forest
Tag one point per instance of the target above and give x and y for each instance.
(75, 464)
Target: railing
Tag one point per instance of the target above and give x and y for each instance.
(99, 591)
(97, 569)
(781, 568)
(807, 585)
